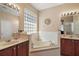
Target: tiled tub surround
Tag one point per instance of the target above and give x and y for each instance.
(45, 41)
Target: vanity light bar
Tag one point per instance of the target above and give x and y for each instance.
(11, 5)
(70, 13)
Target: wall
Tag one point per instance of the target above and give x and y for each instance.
(22, 7)
(0, 30)
(54, 14)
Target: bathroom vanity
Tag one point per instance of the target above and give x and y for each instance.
(9, 24)
(70, 40)
(19, 47)
(69, 45)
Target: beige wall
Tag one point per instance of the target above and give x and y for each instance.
(54, 14)
(21, 15)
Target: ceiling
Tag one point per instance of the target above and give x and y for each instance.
(42, 6)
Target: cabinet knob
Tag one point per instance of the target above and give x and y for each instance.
(72, 40)
(14, 48)
(18, 46)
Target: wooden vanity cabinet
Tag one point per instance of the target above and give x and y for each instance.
(77, 47)
(11, 51)
(21, 49)
(26, 49)
(67, 47)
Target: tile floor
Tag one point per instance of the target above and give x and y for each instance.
(50, 52)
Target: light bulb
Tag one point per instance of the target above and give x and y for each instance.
(10, 4)
(14, 6)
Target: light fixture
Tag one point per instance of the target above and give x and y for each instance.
(13, 6)
(70, 13)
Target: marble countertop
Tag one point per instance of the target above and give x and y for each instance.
(4, 44)
(74, 37)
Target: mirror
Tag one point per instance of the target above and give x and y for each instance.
(9, 23)
(71, 24)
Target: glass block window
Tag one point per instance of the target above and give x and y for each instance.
(30, 23)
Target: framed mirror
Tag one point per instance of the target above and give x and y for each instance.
(71, 24)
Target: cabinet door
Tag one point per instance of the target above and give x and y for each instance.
(20, 50)
(11, 51)
(14, 51)
(6, 52)
(26, 48)
(77, 48)
(23, 49)
(67, 47)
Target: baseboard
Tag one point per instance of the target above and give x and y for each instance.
(38, 50)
